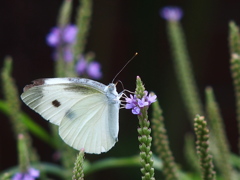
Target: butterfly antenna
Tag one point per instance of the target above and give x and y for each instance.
(125, 65)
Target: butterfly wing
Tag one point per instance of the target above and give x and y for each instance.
(81, 109)
(87, 125)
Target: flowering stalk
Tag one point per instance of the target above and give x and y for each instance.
(65, 13)
(202, 133)
(144, 136)
(23, 153)
(12, 101)
(63, 20)
(83, 23)
(234, 43)
(26, 172)
(218, 136)
(183, 69)
(78, 167)
(162, 144)
(12, 97)
(234, 38)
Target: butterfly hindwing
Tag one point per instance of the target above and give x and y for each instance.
(87, 124)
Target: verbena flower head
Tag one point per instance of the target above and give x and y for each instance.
(66, 36)
(171, 13)
(69, 34)
(31, 174)
(137, 104)
(91, 69)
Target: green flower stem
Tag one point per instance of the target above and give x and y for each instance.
(65, 13)
(161, 143)
(13, 104)
(218, 136)
(202, 133)
(235, 69)
(234, 38)
(63, 20)
(23, 154)
(188, 87)
(144, 137)
(234, 44)
(12, 98)
(78, 167)
(83, 20)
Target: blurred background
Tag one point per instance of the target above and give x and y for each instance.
(118, 30)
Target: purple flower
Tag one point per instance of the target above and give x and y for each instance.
(142, 102)
(136, 110)
(132, 99)
(31, 174)
(171, 13)
(53, 37)
(81, 66)
(92, 69)
(66, 36)
(70, 34)
(137, 104)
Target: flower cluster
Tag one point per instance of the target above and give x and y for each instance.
(171, 13)
(64, 38)
(136, 104)
(91, 69)
(31, 174)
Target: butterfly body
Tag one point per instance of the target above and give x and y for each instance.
(86, 111)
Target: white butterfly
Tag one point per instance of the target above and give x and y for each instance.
(86, 111)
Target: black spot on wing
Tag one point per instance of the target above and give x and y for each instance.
(56, 103)
(70, 114)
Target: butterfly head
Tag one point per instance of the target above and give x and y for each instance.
(111, 87)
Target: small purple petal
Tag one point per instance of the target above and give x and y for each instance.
(142, 102)
(28, 177)
(94, 71)
(132, 99)
(33, 172)
(130, 106)
(151, 98)
(171, 13)
(18, 176)
(53, 37)
(145, 94)
(81, 66)
(69, 34)
(136, 110)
